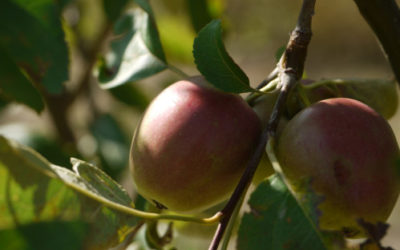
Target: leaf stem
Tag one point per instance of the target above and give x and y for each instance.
(271, 85)
(147, 215)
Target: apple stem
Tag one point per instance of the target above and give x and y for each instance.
(290, 71)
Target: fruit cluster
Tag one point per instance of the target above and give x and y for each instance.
(193, 142)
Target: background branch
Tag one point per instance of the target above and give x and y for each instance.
(290, 68)
(383, 16)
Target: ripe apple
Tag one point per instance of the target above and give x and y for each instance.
(346, 152)
(192, 145)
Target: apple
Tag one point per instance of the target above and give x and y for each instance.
(346, 152)
(192, 145)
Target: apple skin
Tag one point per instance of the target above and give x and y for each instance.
(192, 146)
(347, 152)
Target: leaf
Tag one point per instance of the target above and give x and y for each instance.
(114, 8)
(131, 95)
(199, 13)
(15, 86)
(214, 62)
(276, 221)
(136, 53)
(104, 185)
(35, 40)
(113, 146)
(58, 235)
(33, 190)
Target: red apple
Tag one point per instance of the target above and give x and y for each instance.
(347, 152)
(192, 145)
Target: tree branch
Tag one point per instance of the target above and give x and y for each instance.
(383, 16)
(290, 68)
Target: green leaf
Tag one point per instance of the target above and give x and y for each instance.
(58, 235)
(15, 86)
(104, 185)
(113, 146)
(131, 95)
(113, 8)
(34, 190)
(32, 36)
(276, 221)
(214, 62)
(136, 53)
(199, 13)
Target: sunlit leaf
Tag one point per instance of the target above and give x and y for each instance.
(214, 62)
(31, 35)
(33, 190)
(103, 184)
(136, 51)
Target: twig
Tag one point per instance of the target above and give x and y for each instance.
(274, 73)
(291, 68)
(384, 19)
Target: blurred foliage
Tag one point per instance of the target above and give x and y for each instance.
(45, 236)
(113, 145)
(49, 148)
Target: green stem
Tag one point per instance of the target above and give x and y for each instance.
(156, 216)
(145, 215)
(265, 89)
